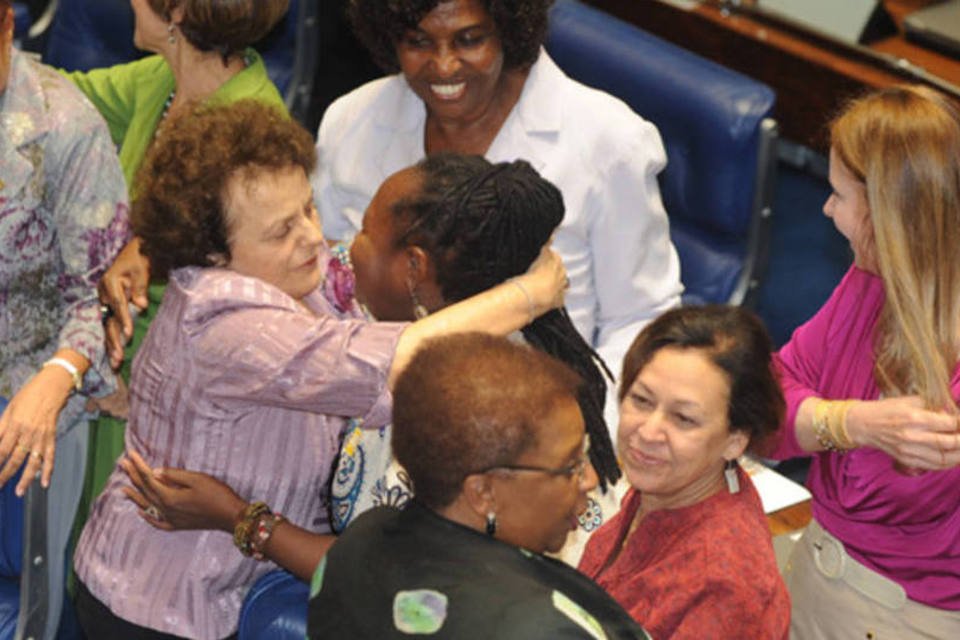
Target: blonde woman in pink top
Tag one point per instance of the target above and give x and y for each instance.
(871, 383)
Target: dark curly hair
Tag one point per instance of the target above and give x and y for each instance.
(224, 26)
(379, 25)
(468, 402)
(734, 340)
(178, 211)
(482, 223)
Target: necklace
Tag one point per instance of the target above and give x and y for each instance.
(163, 114)
(168, 104)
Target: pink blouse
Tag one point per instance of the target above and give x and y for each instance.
(904, 527)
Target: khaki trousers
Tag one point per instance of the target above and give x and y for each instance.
(837, 598)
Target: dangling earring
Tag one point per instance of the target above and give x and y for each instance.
(491, 523)
(419, 311)
(730, 473)
(171, 36)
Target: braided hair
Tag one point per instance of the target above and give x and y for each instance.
(482, 223)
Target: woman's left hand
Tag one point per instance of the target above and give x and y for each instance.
(172, 499)
(28, 427)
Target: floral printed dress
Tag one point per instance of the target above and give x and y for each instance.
(63, 218)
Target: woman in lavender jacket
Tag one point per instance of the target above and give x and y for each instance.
(251, 367)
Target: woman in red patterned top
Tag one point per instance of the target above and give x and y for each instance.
(689, 555)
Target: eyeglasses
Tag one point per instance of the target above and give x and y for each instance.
(576, 469)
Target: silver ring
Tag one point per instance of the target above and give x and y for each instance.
(153, 512)
(106, 312)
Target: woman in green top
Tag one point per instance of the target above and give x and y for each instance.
(203, 55)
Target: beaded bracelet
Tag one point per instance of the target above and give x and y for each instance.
(262, 532)
(248, 518)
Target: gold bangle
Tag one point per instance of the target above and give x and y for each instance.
(825, 423)
(838, 423)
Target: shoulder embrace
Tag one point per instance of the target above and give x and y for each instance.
(214, 292)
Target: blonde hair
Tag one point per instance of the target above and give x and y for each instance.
(903, 143)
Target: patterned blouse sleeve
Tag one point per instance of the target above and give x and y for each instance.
(90, 213)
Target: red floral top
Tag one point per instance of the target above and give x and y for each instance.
(703, 571)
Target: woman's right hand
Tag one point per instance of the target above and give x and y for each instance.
(124, 282)
(545, 281)
(915, 437)
(172, 499)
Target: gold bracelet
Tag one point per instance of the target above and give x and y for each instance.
(837, 423)
(823, 423)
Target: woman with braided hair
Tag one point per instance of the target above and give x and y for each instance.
(435, 234)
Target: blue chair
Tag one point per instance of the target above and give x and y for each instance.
(275, 608)
(87, 34)
(21, 20)
(33, 600)
(11, 545)
(718, 133)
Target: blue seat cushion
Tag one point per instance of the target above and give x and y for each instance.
(9, 606)
(275, 608)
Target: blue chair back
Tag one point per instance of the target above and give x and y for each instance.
(11, 547)
(290, 53)
(718, 134)
(89, 34)
(275, 608)
(11, 526)
(21, 20)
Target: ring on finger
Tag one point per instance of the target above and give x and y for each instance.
(37, 455)
(22, 449)
(106, 312)
(153, 512)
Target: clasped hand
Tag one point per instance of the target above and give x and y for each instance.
(916, 437)
(173, 499)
